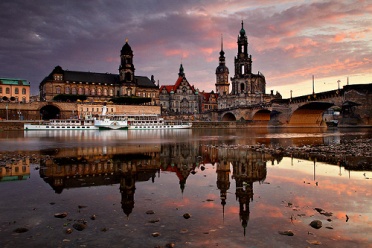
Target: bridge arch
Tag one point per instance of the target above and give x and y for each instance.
(228, 117)
(48, 112)
(309, 114)
(261, 115)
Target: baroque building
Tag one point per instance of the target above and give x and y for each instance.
(248, 88)
(180, 98)
(101, 86)
(14, 90)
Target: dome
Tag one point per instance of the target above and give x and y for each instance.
(221, 69)
(242, 31)
(126, 50)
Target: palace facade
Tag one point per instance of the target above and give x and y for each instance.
(248, 89)
(180, 98)
(101, 86)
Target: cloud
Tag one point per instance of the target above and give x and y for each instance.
(288, 39)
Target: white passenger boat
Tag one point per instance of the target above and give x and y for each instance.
(141, 122)
(111, 122)
(62, 124)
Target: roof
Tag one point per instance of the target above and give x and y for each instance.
(96, 77)
(14, 81)
(207, 95)
(174, 87)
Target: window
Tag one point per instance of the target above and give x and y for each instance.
(80, 90)
(111, 92)
(105, 92)
(58, 90)
(23, 91)
(16, 91)
(67, 90)
(1, 90)
(7, 91)
(86, 91)
(93, 92)
(73, 91)
(99, 91)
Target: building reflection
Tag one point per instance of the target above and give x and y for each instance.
(16, 169)
(87, 167)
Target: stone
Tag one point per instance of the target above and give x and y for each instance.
(316, 224)
(287, 233)
(79, 226)
(187, 216)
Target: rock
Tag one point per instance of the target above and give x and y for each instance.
(313, 242)
(150, 212)
(93, 217)
(287, 233)
(60, 215)
(154, 220)
(20, 230)
(79, 226)
(187, 216)
(316, 224)
(155, 234)
(69, 230)
(170, 245)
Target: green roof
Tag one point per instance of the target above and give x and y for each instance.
(13, 81)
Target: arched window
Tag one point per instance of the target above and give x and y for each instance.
(1, 90)
(80, 90)
(73, 91)
(111, 92)
(93, 92)
(242, 87)
(58, 90)
(99, 91)
(86, 92)
(16, 91)
(105, 92)
(7, 91)
(23, 91)
(67, 90)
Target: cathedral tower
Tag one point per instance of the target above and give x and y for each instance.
(243, 61)
(222, 74)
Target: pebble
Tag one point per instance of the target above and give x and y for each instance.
(21, 230)
(316, 224)
(187, 216)
(79, 226)
(60, 215)
(287, 233)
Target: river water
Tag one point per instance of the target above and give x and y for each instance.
(179, 188)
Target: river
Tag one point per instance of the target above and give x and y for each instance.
(181, 188)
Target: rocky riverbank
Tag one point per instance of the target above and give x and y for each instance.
(356, 154)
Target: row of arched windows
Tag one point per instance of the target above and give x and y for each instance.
(16, 90)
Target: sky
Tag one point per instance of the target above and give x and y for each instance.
(290, 41)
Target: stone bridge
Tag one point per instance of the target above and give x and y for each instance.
(304, 110)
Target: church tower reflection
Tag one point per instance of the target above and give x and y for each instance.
(127, 187)
(248, 167)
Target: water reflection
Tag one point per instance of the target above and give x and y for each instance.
(128, 165)
(15, 169)
(237, 196)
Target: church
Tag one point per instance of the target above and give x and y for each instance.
(248, 89)
(101, 86)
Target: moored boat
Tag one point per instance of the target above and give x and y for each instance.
(111, 122)
(146, 122)
(62, 124)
